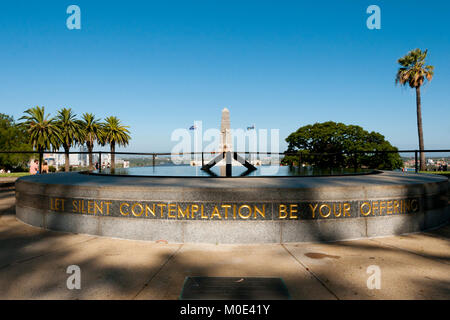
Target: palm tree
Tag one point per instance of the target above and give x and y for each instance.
(70, 131)
(44, 133)
(413, 71)
(115, 133)
(92, 131)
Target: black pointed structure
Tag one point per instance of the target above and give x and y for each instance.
(225, 150)
(229, 156)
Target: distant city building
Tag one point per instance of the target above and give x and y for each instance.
(75, 159)
(83, 158)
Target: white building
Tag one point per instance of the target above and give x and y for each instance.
(75, 159)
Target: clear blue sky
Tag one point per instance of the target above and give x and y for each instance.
(160, 65)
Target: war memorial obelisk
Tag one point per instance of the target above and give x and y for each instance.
(226, 150)
(225, 132)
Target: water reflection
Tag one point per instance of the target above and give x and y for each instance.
(191, 171)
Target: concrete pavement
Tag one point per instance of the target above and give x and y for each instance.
(33, 264)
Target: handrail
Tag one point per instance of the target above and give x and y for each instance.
(243, 152)
(299, 153)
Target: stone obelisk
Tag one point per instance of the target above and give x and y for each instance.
(226, 157)
(225, 132)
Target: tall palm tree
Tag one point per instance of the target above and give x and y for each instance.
(44, 133)
(70, 131)
(413, 71)
(115, 133)
(92, 131)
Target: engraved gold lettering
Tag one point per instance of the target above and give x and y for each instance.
(149, 209)
(57, 204)
(172, 208)
(313, 209)
(90, 206)
(215, 213)
(382, 206)
(82, 206)
(321, 210)
(141, 209)
(107, 207)
(98, 208)
(226, 207)
(257, 210)
(365, 213)
(408, 206)
(202, 213)
(249, 211)
(389, 207)
(347, 208)
(194, 209)
(184, 213)
(162, 206)
(414, 205)
(282, 208)
(124, 204)
(334, 210)
(396, 206)
(374, 208)
(292, 210)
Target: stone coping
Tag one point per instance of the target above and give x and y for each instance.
(234, 210)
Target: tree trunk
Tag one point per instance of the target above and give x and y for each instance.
(113, 157)
(41, 156)
(423, 166)
(67, 164)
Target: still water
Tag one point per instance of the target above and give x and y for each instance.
(191, 171)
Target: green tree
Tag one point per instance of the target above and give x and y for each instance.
(114, 133)
(13, 138)
(333, 145)
(413, 71)
(70, 132)
(43, 132)
(92, 130)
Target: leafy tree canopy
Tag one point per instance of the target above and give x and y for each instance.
(12, 138)
(338, 142)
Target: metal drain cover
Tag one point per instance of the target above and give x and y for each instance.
(234, 288)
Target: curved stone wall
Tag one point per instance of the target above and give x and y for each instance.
(234, 210)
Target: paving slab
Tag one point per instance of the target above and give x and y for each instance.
(427, 245)
(343, 267)
(209, 260)
(110, 269)
(33, 265)
(7, 202)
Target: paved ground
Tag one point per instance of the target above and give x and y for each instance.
(33, 264)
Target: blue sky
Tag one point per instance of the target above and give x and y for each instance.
(160, 65)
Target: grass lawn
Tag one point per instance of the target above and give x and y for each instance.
(443, 173)
(14, 174)
(435, 172)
